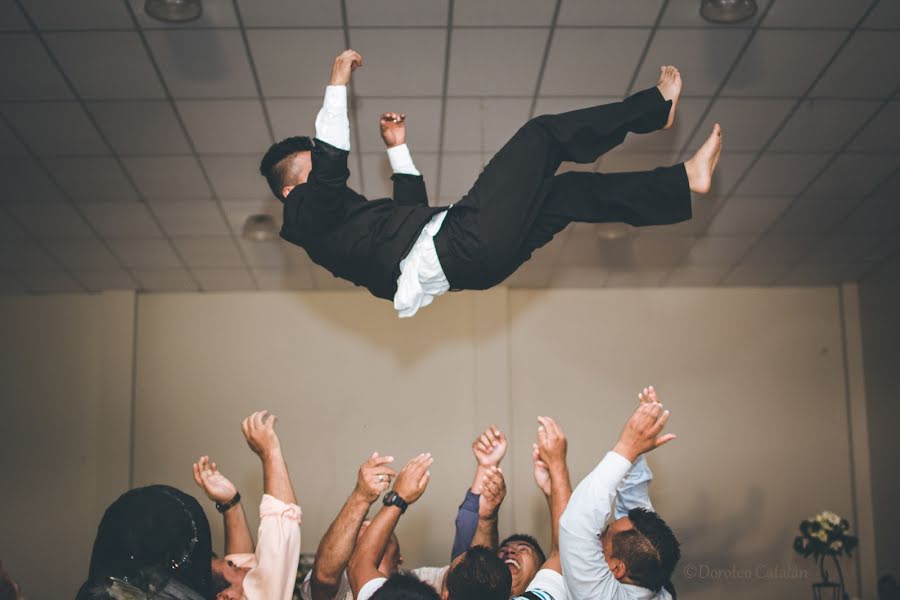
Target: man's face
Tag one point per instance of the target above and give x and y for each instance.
(231, 573)
(522, 560)
(615, 565)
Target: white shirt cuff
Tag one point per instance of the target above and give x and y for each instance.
(335, 98)
(401, 161)
(332, 124)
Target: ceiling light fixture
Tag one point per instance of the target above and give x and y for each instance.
(173, 11)
(260, 228)
(727, 11)
(613, 231)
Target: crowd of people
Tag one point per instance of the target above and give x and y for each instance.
(607, 541)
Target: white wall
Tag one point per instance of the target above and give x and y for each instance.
(755, 380)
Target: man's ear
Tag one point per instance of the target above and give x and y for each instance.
(286, 190)
(618, 568)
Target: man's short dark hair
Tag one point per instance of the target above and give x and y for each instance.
(479, 575)
(649, 551)
(273, 167)
(401, 586)
(524, 537)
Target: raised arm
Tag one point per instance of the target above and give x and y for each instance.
(551, 450)
(409, 187)
(634, 491)
(489, 448)
(333, 555)
(408, 488)
(220, 490)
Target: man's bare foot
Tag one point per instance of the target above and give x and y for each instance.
(670, 87)
(701, 165)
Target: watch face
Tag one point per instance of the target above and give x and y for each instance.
(390, 498)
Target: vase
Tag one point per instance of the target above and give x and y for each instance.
(827, 589)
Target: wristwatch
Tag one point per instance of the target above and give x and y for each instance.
(392, 498)
(224, 507)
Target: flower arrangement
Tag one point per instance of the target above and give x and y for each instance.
(826, 534)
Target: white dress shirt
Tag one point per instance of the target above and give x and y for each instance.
(586, 573)
(421, 276)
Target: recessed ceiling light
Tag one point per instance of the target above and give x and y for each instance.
(727, 11)
(173, 11)
(260, 228)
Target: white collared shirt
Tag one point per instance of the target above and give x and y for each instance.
(421, 276)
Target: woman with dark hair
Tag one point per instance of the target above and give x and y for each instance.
(153, 542)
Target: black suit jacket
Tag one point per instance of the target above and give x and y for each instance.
(356, 239)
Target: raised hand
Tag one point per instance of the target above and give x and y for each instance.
(493, 491)
(648, 396)
(641, 433)
(552, 444)
(490, 447)
(413, 478)
(344, 65)
(393, 129)
(216, 486)
(259, 431)
(374, 477)
(541, 471)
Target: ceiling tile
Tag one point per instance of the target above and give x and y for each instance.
(98, 281)
(687, 113)
(23, 180)
(294, 116)
(634, 279)
(781, 174)
(686, 13)
(782, 63)
(174, 280)
(753, 275)
(9, 228)
(386, 72)
(885, 16)
(377, 173)
(50, 282)
(854, 175)
(214, 280)
(458, 173)
(842, 249)
(618, 162)
(719, 250)
(881, 134)
(216, 13)
(140, 127)
(823, 125)
(397, 13)
(530, 277)
(853, 74)
(200, 218)
(553, 105)
(27, 71)
(694, 276)
(55, 128)
(47, 220)
(90, 14)
(237, 211)
(121, 219)
(23, 254)
(277, 52)
(813, 214)
(209, 252)
(503, 12)
(326, 281)
(810, 275)
(167, 177)
(11, 18)
(775, 249)
(483, 124)
(878, 213)
(10, 146)
(609, 13)
(91, 179)
(209, 63)
(742, 214)
(588, 61)
(236, 177)
(104, 65)
(245, 130)
(702, 56)
(576, 277)
(423, 122)
(290, 13)
(10, 284)
(703, 209)
(277, 253)
(86, 255)
(549, 255)
(496, 62)
(146, 254)
(815, 13)
(746, 124)
(278, 279)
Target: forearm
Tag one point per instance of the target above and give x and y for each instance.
(276, 479)
(480, 472)
(401, 160)
(332, 123)
(560, 492)
(487, 532)
(237, 533)
(466, 524)
(371, 547)
(336, 546)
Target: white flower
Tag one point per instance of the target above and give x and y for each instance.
(822, 535)
(836, 545)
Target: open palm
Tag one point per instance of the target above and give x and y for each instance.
(217, 487)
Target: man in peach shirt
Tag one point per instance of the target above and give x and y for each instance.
(269, 572)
